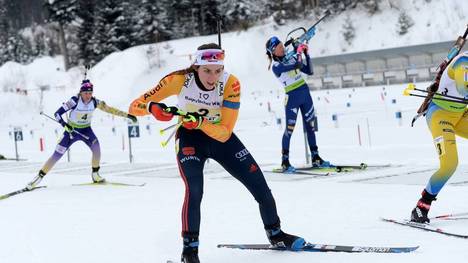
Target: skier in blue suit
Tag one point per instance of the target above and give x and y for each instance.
(288, 71)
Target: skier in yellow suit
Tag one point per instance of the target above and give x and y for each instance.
(445, 120)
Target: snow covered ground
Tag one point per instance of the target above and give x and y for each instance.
(141, 224)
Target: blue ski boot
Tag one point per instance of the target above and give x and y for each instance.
(280, 239)
(285, 165)
(317, 161)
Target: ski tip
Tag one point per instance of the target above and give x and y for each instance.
(405, 249)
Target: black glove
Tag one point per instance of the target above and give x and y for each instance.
(132, 118)
(68, 127)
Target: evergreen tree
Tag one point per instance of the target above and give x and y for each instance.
(112, 29)
(372, 6)
(13, 46)
(19, 49)
(149, 22)
(38, 41)
(241, 14)
(86, 31)
(183, 19)
(404, 23)
(283, 10)
(123, 24)
(338, 6)
(4, 30)
(62, 12)
(349, 31)
(207, 13)
(192, 18)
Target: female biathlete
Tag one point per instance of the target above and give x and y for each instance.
(445, 120)
(210, 100)
(288, 72)
(80, 108)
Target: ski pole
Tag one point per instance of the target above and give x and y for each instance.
(452, 216)
(412, 87)
(462, 101)
(177, 113)
(168, 128)
(164, 143)
(75, 131)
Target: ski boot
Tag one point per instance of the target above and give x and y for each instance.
(190, 251)
(35, 182)
(317, 161)
(97, 179)
(280, 239)
(285, 165)
(419, 213)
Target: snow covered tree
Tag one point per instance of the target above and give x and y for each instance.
(13, 46)
(123, 29)
(18, 49)
(372, 6)
(112, 28)
(149, 22)
(186, 19)
(349, 32)
(85, 14)
(240, 14)
(404, 23)
(338, 6)
(283, 10)
(62, 12)
(207, 13)
(4, 29)
(42, 41)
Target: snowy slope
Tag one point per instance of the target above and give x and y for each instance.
(65, 223)
(122, 75)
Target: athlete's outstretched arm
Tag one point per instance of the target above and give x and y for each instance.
(168, 86)
(111, 110)
(230, 110)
